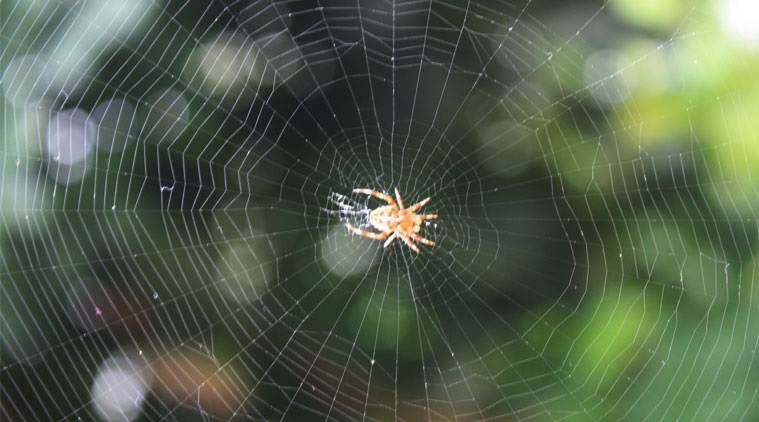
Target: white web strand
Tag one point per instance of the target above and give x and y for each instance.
(177, 179)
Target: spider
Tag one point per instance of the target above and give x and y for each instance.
(394, 220)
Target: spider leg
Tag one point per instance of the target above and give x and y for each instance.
(371, 235)
(398, 197)
(408, 242)
(427, 216)
(418, 205)
(419, 238)
(383, 196)
(390, 240)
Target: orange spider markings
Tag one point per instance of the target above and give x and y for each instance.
(394, 220)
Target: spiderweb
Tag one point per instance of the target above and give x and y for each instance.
(176, 178)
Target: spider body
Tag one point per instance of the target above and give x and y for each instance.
(394, 220)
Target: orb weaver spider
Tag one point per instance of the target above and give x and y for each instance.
(394, 220)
